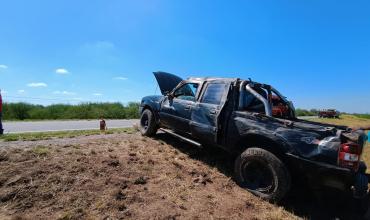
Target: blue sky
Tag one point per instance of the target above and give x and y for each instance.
(317, 53)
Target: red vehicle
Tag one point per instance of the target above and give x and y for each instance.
(328, 113)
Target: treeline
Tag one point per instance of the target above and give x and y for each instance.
(304, 112)
(22, 111)
(314, 112)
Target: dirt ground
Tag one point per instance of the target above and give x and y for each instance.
(122, 176)
(126, 176)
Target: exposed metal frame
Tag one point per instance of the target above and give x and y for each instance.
(268, 108)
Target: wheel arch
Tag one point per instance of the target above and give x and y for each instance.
(145, 107)
(152, 109)
(276, 146)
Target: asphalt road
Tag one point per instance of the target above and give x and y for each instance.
(307, 117)
(40, 126)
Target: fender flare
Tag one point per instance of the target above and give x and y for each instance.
(272, 143)
(152, 106)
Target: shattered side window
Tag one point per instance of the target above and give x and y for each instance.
(252, 104)
(187, 92)
(214, 93)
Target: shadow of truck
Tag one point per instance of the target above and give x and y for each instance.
(301, 201)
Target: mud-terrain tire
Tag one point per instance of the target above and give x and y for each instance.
(263, 174)
(147, 124)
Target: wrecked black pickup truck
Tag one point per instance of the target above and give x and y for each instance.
(257, 124)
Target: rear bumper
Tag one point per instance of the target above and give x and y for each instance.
(321, 175)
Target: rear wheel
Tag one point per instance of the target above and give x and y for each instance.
(147, 125)
(263, 174)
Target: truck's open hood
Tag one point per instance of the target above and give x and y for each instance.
(166, 81)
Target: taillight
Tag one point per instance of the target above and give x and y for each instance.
(349, 155)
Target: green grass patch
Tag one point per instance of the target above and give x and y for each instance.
(9, 138)
(35, 136)
(365, 116)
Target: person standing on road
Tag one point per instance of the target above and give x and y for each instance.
(1, 115)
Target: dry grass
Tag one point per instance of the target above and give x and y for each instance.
(347, 120)
(122, 176)
(40, 150)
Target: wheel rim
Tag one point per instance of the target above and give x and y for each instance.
(144, 121)
(258, 177)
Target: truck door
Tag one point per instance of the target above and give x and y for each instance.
(176, 111)
(205, 113)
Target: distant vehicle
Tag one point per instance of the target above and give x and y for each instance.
(328, 113)
(258, 125)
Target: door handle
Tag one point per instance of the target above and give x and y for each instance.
(212, 112)
(187, 107)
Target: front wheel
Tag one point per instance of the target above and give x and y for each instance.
(147, 125)
(263, 174)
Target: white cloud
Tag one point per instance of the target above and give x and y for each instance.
(21, 91)
(37, 84)
(64, 93)
(2, 66)
(4, 92)
(62, 71)
(97, 94)
(120, 78)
